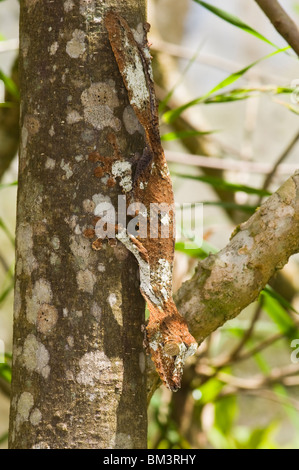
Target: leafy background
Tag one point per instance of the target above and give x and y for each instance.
(228, 95)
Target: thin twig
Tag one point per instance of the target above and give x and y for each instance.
(281, 21)
(226, 164)
(283, 156)
(182, 52)
(235, 353)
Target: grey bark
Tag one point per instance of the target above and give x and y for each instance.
(79, 365)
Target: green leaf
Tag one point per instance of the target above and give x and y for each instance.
(279, 315)
(184, 134)
(163, 103)
(4, 436)
(8, 185)
(235, 21)
(232, 205)
(239, 94)
(283, 302)
(171, 116)
(191, 248)
(6, 292)
(210, 390)
(8, 104)
(291, 107)
(225, 413)
(222, 184)
(5, 372)
(9, 85)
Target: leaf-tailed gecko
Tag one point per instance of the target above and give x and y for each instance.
(168, 338)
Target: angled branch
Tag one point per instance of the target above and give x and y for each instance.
(225, 283)
(281, 21)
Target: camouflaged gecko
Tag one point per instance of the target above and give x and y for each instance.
(168, 338)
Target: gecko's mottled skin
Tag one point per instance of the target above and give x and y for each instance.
(169, 340)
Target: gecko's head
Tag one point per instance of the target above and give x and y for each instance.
(170, 344)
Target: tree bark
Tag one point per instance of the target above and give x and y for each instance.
(79, 364)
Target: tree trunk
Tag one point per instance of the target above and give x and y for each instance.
(79, 365)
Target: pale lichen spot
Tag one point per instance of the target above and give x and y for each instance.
(35, 356)
(87, 8)
(88, 206)
(76, 46)
(96, 311)
(50, 164)
(51, 131)
(82, 251)
(32, 124)
(93, 366)
(101, 268)
(54, 259)
(41, 445)
(47, 317)
(35, 417)
(17, 300)
(99, 199)
(86, 280)
(138, 34)
(25, 403)
(99, 101)
(66, 167)
(131, 122)
(53, 48)
(121, 441)
(70, 341)
(68, 5)
(25, 246)
(41, 294)
(30, 4)
(73, 116)
(142, 362)
(115, 302)
(112, 299)
(123, 170)
(55, 242)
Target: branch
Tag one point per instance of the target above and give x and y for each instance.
(225, 283)
(281, 21)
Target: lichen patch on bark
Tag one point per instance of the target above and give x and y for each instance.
(35, 356)
(99, 102)
(75, 47)
(92, 366)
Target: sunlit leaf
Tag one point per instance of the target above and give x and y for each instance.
(283, 302)
(225, 413)
(231, 205)
(8, 185)
(6, 292)
(235, 21)
(279, 315)
(184, 134)
(222, 184)
(191, 248)
(172, 115)
(9, 85)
